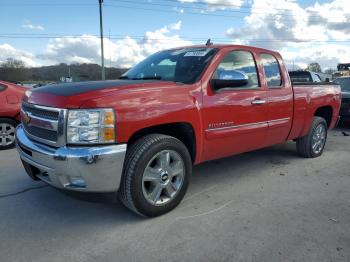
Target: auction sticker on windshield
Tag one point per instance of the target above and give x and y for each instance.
(198, 53)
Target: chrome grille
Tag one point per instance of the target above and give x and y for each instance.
(52, 115)
(44, 124)
(41, 133)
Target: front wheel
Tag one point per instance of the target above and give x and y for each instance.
(7, 133)
(312, 145)
(156, 175)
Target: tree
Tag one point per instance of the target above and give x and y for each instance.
(13, 70)
(13, 63)
(314, 67)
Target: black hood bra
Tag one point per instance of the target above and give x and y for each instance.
(70, 89)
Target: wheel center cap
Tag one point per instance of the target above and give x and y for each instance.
(164, 176)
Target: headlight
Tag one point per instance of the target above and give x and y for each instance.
(88, 126)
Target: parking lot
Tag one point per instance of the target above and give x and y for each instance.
(267, 205)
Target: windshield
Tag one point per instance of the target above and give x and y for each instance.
(344, 83)
(183, 65)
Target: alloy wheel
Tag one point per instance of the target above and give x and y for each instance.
(163, 177)
(7, 134)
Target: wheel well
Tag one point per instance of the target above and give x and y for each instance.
(182, 131)
(325, 112)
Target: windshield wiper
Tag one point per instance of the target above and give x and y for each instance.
(147, 78)
(124, 77)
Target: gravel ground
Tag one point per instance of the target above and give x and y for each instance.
(267, 205)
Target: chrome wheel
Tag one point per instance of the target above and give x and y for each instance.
(319, 139)
(163, 177)
(7, 134)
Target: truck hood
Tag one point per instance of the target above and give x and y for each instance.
(73, 95)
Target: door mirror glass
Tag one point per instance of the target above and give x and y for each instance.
(229, 78)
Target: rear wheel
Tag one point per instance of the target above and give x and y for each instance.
(156, 175)
(312, 145)
(7, 133)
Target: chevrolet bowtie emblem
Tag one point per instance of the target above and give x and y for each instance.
(26, 118)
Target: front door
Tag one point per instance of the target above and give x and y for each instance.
(235, 117)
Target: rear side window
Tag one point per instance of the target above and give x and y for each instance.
(272, 70)
(2, 87)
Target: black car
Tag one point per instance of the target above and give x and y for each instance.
(344, 83)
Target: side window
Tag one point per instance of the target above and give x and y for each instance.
(2, 87)
(272, 70)
(238, 70)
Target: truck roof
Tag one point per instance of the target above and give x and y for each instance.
(226, 46)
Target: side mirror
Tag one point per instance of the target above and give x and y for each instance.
(230, 78)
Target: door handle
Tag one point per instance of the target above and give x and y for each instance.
(258, 102)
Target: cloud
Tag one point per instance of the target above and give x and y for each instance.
(178, 10)
(327, 55)
(8, 51)
(334, 16)
(223, 4)
(302, 34)
(266, 26)
(123, 52)
(175, 26)
(213, 5)
(29, 25)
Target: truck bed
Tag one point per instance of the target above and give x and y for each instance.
(309, 97)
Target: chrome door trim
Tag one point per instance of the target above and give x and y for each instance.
(279, 120)
(236, 126)
(249, 124)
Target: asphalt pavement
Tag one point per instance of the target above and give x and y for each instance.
(267, 205)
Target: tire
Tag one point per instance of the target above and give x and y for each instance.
(146, 173)
(306, 146)
(7, 133)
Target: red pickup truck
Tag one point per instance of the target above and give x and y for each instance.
(10, 98)
(140, 135)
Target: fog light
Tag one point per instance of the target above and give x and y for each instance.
(77, 181)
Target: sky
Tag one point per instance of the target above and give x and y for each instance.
(50, 32)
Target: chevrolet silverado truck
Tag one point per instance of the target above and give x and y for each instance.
(10, 101)
(140, 135)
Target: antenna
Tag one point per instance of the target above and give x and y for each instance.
(209, 43)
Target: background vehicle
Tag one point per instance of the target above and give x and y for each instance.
(344, 83)
(10, 97)
(344, 69)
(141, 135)
(303, 76)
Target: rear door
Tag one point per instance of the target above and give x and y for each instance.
(279, 98)
(235, 118)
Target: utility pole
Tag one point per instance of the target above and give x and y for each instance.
(110, 54)
(101, 33)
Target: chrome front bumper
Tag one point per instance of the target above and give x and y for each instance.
(90, 169)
